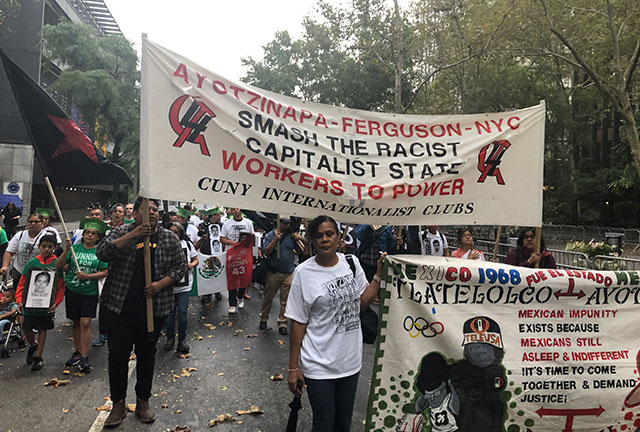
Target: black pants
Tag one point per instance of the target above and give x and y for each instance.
(125, 332)
(369, 270)
(236, 294)
(332, 403)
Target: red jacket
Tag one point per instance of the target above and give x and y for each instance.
(59, 288)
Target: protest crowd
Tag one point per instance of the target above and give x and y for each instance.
(99, 272)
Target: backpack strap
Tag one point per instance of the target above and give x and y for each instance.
(352, 264)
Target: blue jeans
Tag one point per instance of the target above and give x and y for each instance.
(180, 306)
(332, 402)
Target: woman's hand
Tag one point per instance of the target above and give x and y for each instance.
(534, 258)
(292, 379)
(474, 254)
(380, 264)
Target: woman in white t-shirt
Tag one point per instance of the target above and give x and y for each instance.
(324, 306)
(23, 246)
(181, 292)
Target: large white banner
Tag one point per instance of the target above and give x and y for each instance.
(472, 346)
(208, 139)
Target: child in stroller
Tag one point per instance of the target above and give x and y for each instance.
(8, 322)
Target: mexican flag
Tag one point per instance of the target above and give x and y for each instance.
(228, 271)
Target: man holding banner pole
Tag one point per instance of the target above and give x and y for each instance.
(124, 303)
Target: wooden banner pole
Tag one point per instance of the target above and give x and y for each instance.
(144, 209)
(64, 225)
(538, 237)
(497, 243)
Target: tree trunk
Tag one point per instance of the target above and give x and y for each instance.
(399, 57)
(632, 131)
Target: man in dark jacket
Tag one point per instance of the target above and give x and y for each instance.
(124, 304)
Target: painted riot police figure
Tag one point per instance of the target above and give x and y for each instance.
(480, 377)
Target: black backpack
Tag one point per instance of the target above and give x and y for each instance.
(368, 317)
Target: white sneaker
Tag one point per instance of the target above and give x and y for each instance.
(240, 303)
(232, 309)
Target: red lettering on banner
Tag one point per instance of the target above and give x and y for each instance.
(181, 72)
(200, 79)
(271, 106)
(304, 114)
(359, 187)
(321, 183)
(272, 169)
(448, 187)
(231, 160)
(376, 191)
(288, 174)
(290, 112)
(254, 97)
(219, 87)
(321, 121)
(258, 163)
(305, 180)
(236, 90)
(337, 188)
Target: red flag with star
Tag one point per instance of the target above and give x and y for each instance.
(66, 155)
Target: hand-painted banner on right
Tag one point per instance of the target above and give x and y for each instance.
(473, 346)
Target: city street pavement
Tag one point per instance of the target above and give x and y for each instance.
(229, 369)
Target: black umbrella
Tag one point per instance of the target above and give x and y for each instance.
(296, 405)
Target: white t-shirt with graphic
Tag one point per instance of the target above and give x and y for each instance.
(435, 244)
(232, 229)
(54, 232)
(327, 299)
(192, 233)
(24, 248)
(189, 253)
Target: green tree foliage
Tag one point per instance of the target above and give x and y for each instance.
(344, 57)
(8, 10)
(100, 75)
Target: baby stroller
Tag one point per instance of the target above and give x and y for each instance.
(13, 334)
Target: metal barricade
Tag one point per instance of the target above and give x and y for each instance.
(604, 262)
(551, 232)
(632, 238)
(570, 260)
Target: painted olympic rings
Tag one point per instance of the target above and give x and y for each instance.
(420, 326)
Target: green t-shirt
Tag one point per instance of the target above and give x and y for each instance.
(128, 221)
(33, 262)
(89, 263)
(3, 236)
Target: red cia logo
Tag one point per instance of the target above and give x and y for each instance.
(490, 165)
(192, 124)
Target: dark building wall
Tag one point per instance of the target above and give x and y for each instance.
(21, 42)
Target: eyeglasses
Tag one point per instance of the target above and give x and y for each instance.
(529, 236)
(34, 221)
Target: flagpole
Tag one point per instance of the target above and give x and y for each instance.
(144, 208)
(64, 225)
